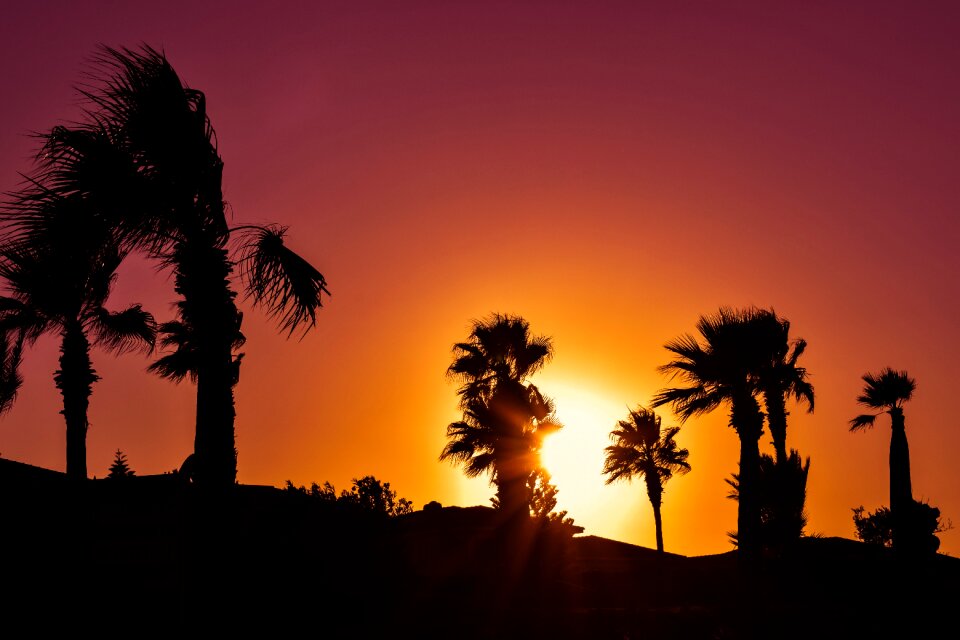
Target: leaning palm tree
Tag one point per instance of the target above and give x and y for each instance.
(505, 417)
(722, 370)
(146, 161)
(642, 448)
(886, 392)
(59, 283)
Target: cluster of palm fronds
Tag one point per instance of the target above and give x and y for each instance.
(140, 172)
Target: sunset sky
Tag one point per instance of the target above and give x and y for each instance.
(609, 171)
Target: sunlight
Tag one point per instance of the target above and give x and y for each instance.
(574, 457)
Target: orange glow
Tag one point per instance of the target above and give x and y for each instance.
(607, 173)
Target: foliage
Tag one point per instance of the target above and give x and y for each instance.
(782, 491)
(643, 449)
(144, 164)
(505, 417)
(367, 493)
(923, 522)
(884, 392)
(542, 500)
(120, 468)
(721, 368)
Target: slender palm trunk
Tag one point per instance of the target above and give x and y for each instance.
(75, 380)
(747, 419)
(777, 421)
(655, 493)
(901, 492)
(203, 271)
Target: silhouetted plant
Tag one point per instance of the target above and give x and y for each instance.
(367, 493)
(642, 449)
(782, 491)
(887, 392)
(373, 495)
(59, 276)
(11, 355)
(120, 468)
(542, 501)
(723, 370)
(505, 417)
(145, 160)
(779, 377)
(922, 523)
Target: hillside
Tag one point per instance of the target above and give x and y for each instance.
(154, 554)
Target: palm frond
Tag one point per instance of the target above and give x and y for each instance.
(864, 421)
(127, 330)
(281, 281)
(11, 355)
(176, 366)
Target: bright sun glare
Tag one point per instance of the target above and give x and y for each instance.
(574, 458)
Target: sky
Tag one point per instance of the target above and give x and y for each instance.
(609, 171)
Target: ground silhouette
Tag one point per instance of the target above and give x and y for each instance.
(155, 555)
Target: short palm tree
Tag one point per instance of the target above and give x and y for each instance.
(643, 449)
(59, 282)
(722, 370)
(146, 161)
(505, 417)
(886, 392)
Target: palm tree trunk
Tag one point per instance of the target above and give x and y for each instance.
(901, 492)
(777, 421)
(203, 272)
(655, 494)
(75, 380)
(512, 491)
(747, 419)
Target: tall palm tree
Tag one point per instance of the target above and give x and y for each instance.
(59, 283)
(505, 417)
(642, 448)
(146, 161)
(886, 392)
(722, 370)
(780, 377)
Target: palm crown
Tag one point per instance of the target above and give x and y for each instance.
(885, 392)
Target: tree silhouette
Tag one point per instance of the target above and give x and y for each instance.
(886, 392)
(146, 161)
(782, 493)
(59, 276)
(505, 417)
(780, 377)
(722, 370)
(642, 449)
(120, 468)
(11, 355)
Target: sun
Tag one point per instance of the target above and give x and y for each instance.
(574, 458)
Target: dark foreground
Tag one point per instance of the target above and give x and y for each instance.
(152, 557)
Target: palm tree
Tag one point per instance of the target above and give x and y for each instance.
(722, 370)
(146, 161)
(642, 448)
(505, 417)
(59, 283)
(886, 392)
(780, 377)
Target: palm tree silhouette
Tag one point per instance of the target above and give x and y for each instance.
(780, 377)
(642, 448)
(886, 392)
(146, 160)
(11, 355)
(59, 278)
(505, 417)
(720, 371)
